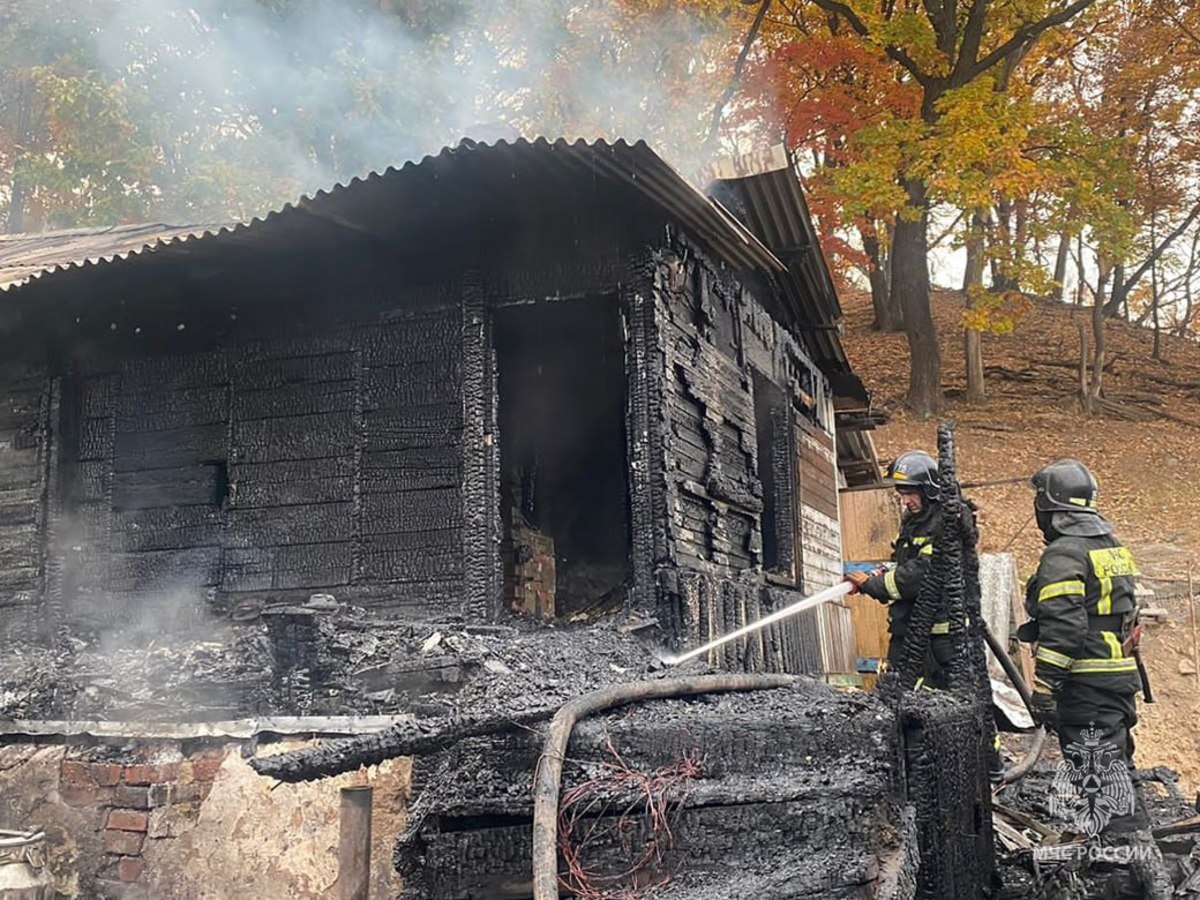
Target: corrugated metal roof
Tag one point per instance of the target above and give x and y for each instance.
(765, 193)
(24, 257)
(447, 188)
(472, 184)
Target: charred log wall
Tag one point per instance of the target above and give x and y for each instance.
(736, 384)
(213, 450)
(793, 793)
(24, 473)
(947, 773)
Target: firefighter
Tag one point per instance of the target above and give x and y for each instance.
(1082, 616)
(915, 477)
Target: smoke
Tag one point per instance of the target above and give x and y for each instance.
(252, 103)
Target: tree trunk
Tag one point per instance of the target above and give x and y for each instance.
(1002, 277)
(18, 193)
(1060, 265)
(1080, 271)
(889, 317)
(1118, 299)
(1186, 320)
(1085, 398)
(1157, 354)
(910, 282)
(973, 273)
(1096, 386)
(972, 288)
(976, 389)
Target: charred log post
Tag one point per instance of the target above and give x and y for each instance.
(954, 578)
(549, 773)
(405, 739)
(408, 853)
(975, 644)
(354, 844)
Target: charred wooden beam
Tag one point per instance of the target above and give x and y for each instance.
(405, 739)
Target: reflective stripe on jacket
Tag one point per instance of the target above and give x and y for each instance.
(1082, 597)
(912, 553)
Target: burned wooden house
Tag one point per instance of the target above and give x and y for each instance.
(393, 433)
(549, 378)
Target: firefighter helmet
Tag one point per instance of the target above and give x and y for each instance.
(1065, 485)
(915, 470)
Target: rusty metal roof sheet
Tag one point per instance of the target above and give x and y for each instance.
(447, 187)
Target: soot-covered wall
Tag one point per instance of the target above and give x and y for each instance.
(745, 442)
(214, 450)
(190, 445)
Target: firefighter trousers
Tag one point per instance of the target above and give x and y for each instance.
(1083, 706)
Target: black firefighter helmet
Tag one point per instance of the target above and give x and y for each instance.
(1065, 485)
(915, 470)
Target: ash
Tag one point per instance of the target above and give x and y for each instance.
(314, 660)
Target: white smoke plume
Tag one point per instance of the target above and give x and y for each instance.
(291, 96)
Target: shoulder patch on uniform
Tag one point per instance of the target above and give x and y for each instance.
(1112, 562)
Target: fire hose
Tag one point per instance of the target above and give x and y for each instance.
(548, 779)
(1020, 769)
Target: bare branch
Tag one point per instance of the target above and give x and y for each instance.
(738, 65)
(1023, 37)
(1158, 251)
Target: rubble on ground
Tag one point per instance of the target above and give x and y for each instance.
(1025, 809)
(315, 661)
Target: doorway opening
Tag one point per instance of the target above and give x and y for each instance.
(564, 488)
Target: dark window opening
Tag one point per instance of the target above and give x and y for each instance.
(564, 472)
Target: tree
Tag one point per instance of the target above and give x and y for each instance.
(942, 47)
(838, 103)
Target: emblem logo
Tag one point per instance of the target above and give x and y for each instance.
(1092, 784)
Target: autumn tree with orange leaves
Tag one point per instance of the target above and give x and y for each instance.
(940, 55)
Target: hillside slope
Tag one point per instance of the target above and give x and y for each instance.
(1149, 471)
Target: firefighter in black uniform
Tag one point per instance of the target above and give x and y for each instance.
(1082, 615)
(915, 476)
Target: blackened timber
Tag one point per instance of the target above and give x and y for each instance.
(638, 309)
(147, 489)
(294, 566)
(296, 437)
(305, 524)
(295, 400)
(426, 510)
(432, 553)
(171, 448)
(414, 738)
(480, 530)
(301, 370)
(145, 571)
(165, 529)
(250, 493)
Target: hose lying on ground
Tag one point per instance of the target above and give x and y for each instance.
(548, 780)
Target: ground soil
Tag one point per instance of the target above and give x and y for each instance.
(1149, 471)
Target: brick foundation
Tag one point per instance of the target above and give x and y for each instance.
(139, 799)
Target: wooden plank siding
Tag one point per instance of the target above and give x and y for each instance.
(751, 476)
(270, 469)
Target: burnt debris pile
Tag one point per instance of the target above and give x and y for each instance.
(780, 793)
(317, 659)
(787, 792)
(1035, 827)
